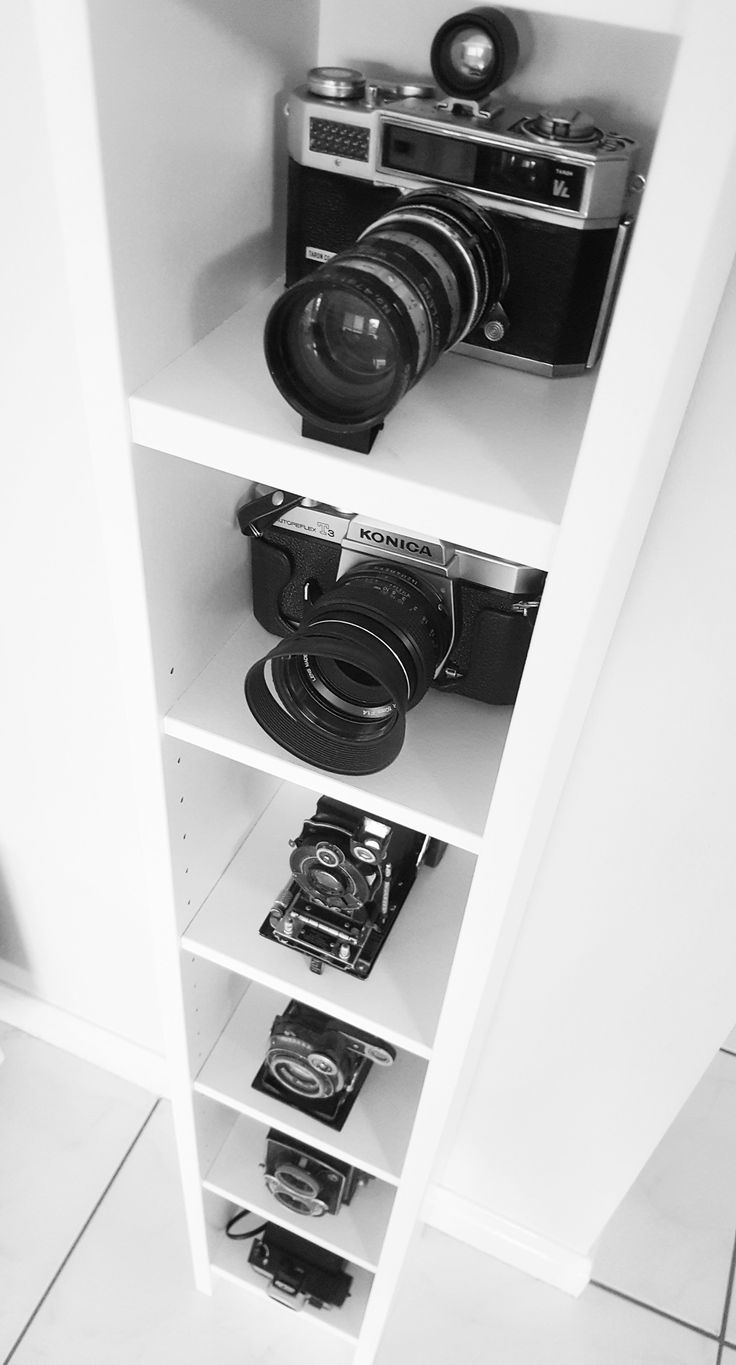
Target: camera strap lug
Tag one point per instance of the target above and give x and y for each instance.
(256, 516)
(526, 608)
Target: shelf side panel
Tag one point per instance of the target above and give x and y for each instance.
(212, 804)
(191, 126)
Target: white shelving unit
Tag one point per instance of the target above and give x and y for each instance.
(558, 474)
(504, 485)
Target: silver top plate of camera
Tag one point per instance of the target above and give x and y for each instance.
(363, 538)
(545, 164)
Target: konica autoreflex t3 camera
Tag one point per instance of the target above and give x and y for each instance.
(318, 1064)
(307, 1181)
(350, 876)
(300, 1272)
(419, 220)
(372, 618)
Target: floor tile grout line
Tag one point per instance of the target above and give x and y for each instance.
(79, 1235)
(660, 1312)
(727, 1304)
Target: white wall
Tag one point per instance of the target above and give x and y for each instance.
(621, 986)
(74, 925)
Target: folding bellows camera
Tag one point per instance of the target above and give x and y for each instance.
(351, 874)
(318, 1064)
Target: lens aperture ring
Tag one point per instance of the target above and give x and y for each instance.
(475, 275)
(482, 238)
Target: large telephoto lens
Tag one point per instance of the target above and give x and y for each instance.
(345, 343)
(336, 692)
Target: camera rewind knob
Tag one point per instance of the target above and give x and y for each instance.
(336, 82)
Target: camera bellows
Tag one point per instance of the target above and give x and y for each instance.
(345, 343)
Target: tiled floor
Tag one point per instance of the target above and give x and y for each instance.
(94, 1268)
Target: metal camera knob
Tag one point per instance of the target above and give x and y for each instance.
(336, 83)
(328, 855)
(565, 125)
(364, 853)
(496, 324)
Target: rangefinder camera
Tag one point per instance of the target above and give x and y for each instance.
(300, 1272)
(350, 876)
(372, 618)
(419, 221)
(318, 1064)
(307, 1181)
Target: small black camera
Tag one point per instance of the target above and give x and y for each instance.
(307, 1181)
(419, 221)
(351, 874)
(372, 618)
(300, 1272)
(318, 1064)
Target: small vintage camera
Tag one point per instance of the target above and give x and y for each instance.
(306, 1181)
(420, 221)
(300, 1272)
(351, 874)
(372, 617)
(318, 1064)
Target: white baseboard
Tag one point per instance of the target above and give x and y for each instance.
(517, 1246)
(93, 1044)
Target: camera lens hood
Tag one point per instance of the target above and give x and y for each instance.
(377, 746)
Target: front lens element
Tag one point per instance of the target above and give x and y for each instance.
(299, 1077)
(343, 352)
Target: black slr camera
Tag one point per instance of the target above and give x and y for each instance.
(300, 1272)
(419, 222)
(318, 1064)
(351, 874)
(306, 1181)
(372, 618)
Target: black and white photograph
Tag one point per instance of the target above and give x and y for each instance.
(367, 742)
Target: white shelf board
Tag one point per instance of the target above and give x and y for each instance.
(441, 783)
(356, 1232)
(230, 1262)
(375, 1134)
(402, 997)
(478, 453)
